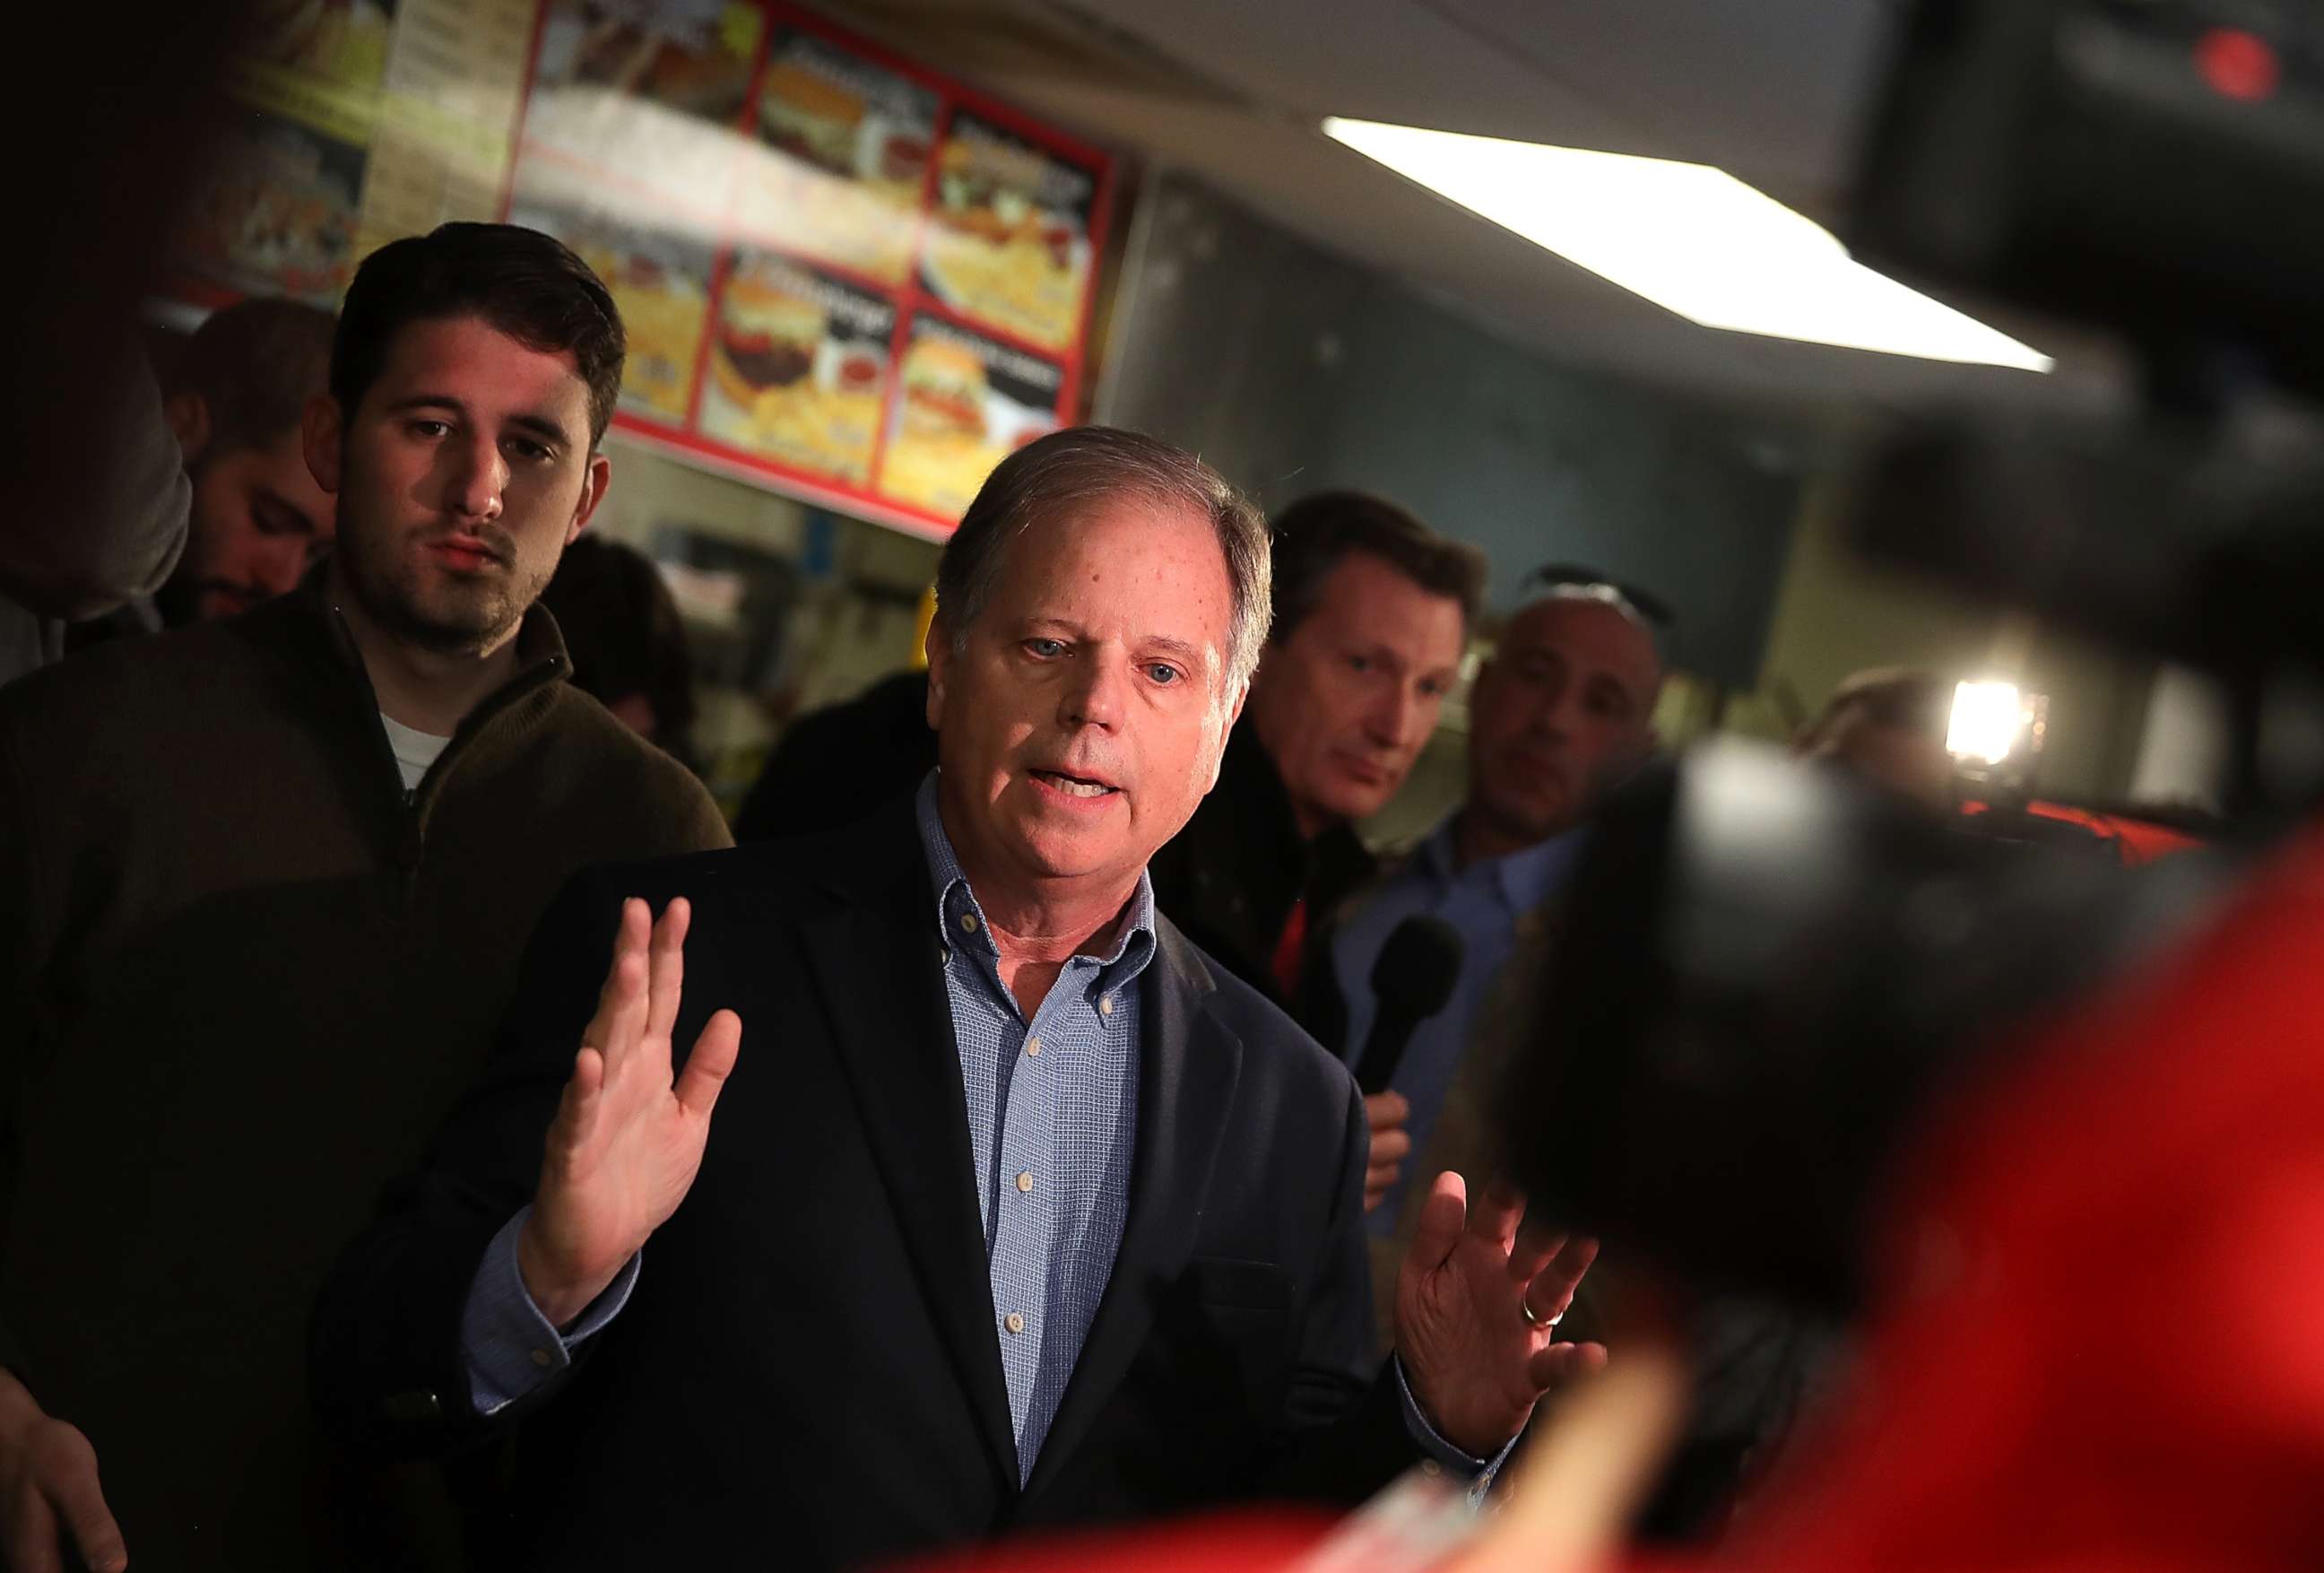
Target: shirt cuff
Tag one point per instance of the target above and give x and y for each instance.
(1479, 1471)
(507, 1346)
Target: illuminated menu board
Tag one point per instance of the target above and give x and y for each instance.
(842, 274)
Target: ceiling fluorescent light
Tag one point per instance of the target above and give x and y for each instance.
(1688, 237)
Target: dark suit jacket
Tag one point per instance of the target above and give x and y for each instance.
(1231, 878)
(808, 1368)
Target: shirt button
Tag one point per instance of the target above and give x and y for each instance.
(968, 922)
(947, 949)
(1032, 1045)
(1105, 1005)
(1025, 1180)
(1016, 1322)
(542, 1356)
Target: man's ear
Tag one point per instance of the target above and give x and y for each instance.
(189, 415)
(937, 648)
(593, 492)
(323, 435)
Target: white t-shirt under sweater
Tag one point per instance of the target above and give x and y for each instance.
(414, 751)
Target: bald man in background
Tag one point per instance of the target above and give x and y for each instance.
(1561, 715)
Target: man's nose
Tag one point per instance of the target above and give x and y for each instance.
(277, 568)
(1095, 693)
(1395, 716)
(1557, 720)
(475, 476)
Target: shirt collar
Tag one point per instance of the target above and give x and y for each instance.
(1524, 879)
(1133, 942)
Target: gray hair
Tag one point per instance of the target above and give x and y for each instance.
(1069, 469)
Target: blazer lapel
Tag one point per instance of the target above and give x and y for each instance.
(879, 968)
(1187, 1067)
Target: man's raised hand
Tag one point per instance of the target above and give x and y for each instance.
(627, 1140)
(1474, 1305)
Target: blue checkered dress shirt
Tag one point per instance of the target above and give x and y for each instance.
(1052, 1121)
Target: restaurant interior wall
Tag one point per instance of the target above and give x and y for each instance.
(1293, 370)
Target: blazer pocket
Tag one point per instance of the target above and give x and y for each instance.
(1223, 1281)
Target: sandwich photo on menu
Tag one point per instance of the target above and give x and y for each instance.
(965, 403)
(798, 368)
(846, 144)
(1011, 244)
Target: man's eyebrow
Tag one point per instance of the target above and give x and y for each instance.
(430, 402)
(1174, 647)
(546, 426)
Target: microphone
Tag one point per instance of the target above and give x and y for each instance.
(1412, 980)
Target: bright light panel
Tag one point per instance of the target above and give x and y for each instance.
(1986, 721)
(1688, 237)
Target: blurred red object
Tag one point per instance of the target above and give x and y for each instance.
(2101, 1347)
(2137, 840)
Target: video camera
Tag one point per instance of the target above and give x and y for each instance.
(1773, 974)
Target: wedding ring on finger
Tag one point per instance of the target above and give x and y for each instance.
(1526, 1305)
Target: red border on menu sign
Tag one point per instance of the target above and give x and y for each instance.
(910, 298)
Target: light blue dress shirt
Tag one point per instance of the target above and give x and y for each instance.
(1053, 1124)
(1483, 902)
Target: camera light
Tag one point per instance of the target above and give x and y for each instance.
(1986, 721)
(1691, 238)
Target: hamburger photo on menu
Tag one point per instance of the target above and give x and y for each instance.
(798, 368)
(1011, 243)
(965, 403)
(855, 139)
(944, 391)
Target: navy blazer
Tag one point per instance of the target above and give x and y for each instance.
(807, 1369)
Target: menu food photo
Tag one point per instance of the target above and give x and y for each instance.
(843, 274)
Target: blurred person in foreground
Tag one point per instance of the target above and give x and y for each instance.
(124, 533)
(1372, 612)
(626, 641)
(1888, 726)
(1010, 1218)
(271, 877)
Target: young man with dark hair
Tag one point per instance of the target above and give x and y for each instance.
(1371, 613)
(236, 395)
(270, 878)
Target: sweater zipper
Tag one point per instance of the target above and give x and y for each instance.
(412, 834)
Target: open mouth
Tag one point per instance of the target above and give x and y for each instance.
(1074, 786)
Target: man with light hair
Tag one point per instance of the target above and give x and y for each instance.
(1010, 1216)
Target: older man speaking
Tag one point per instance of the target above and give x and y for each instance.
(1011, 1215)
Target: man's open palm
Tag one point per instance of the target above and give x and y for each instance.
(628, 1140)
(1474, 1305)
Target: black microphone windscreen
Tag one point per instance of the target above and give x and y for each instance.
(1417, 967)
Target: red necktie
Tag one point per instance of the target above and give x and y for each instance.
(1291, 950)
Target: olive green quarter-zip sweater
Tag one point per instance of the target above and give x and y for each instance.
(243, 973)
